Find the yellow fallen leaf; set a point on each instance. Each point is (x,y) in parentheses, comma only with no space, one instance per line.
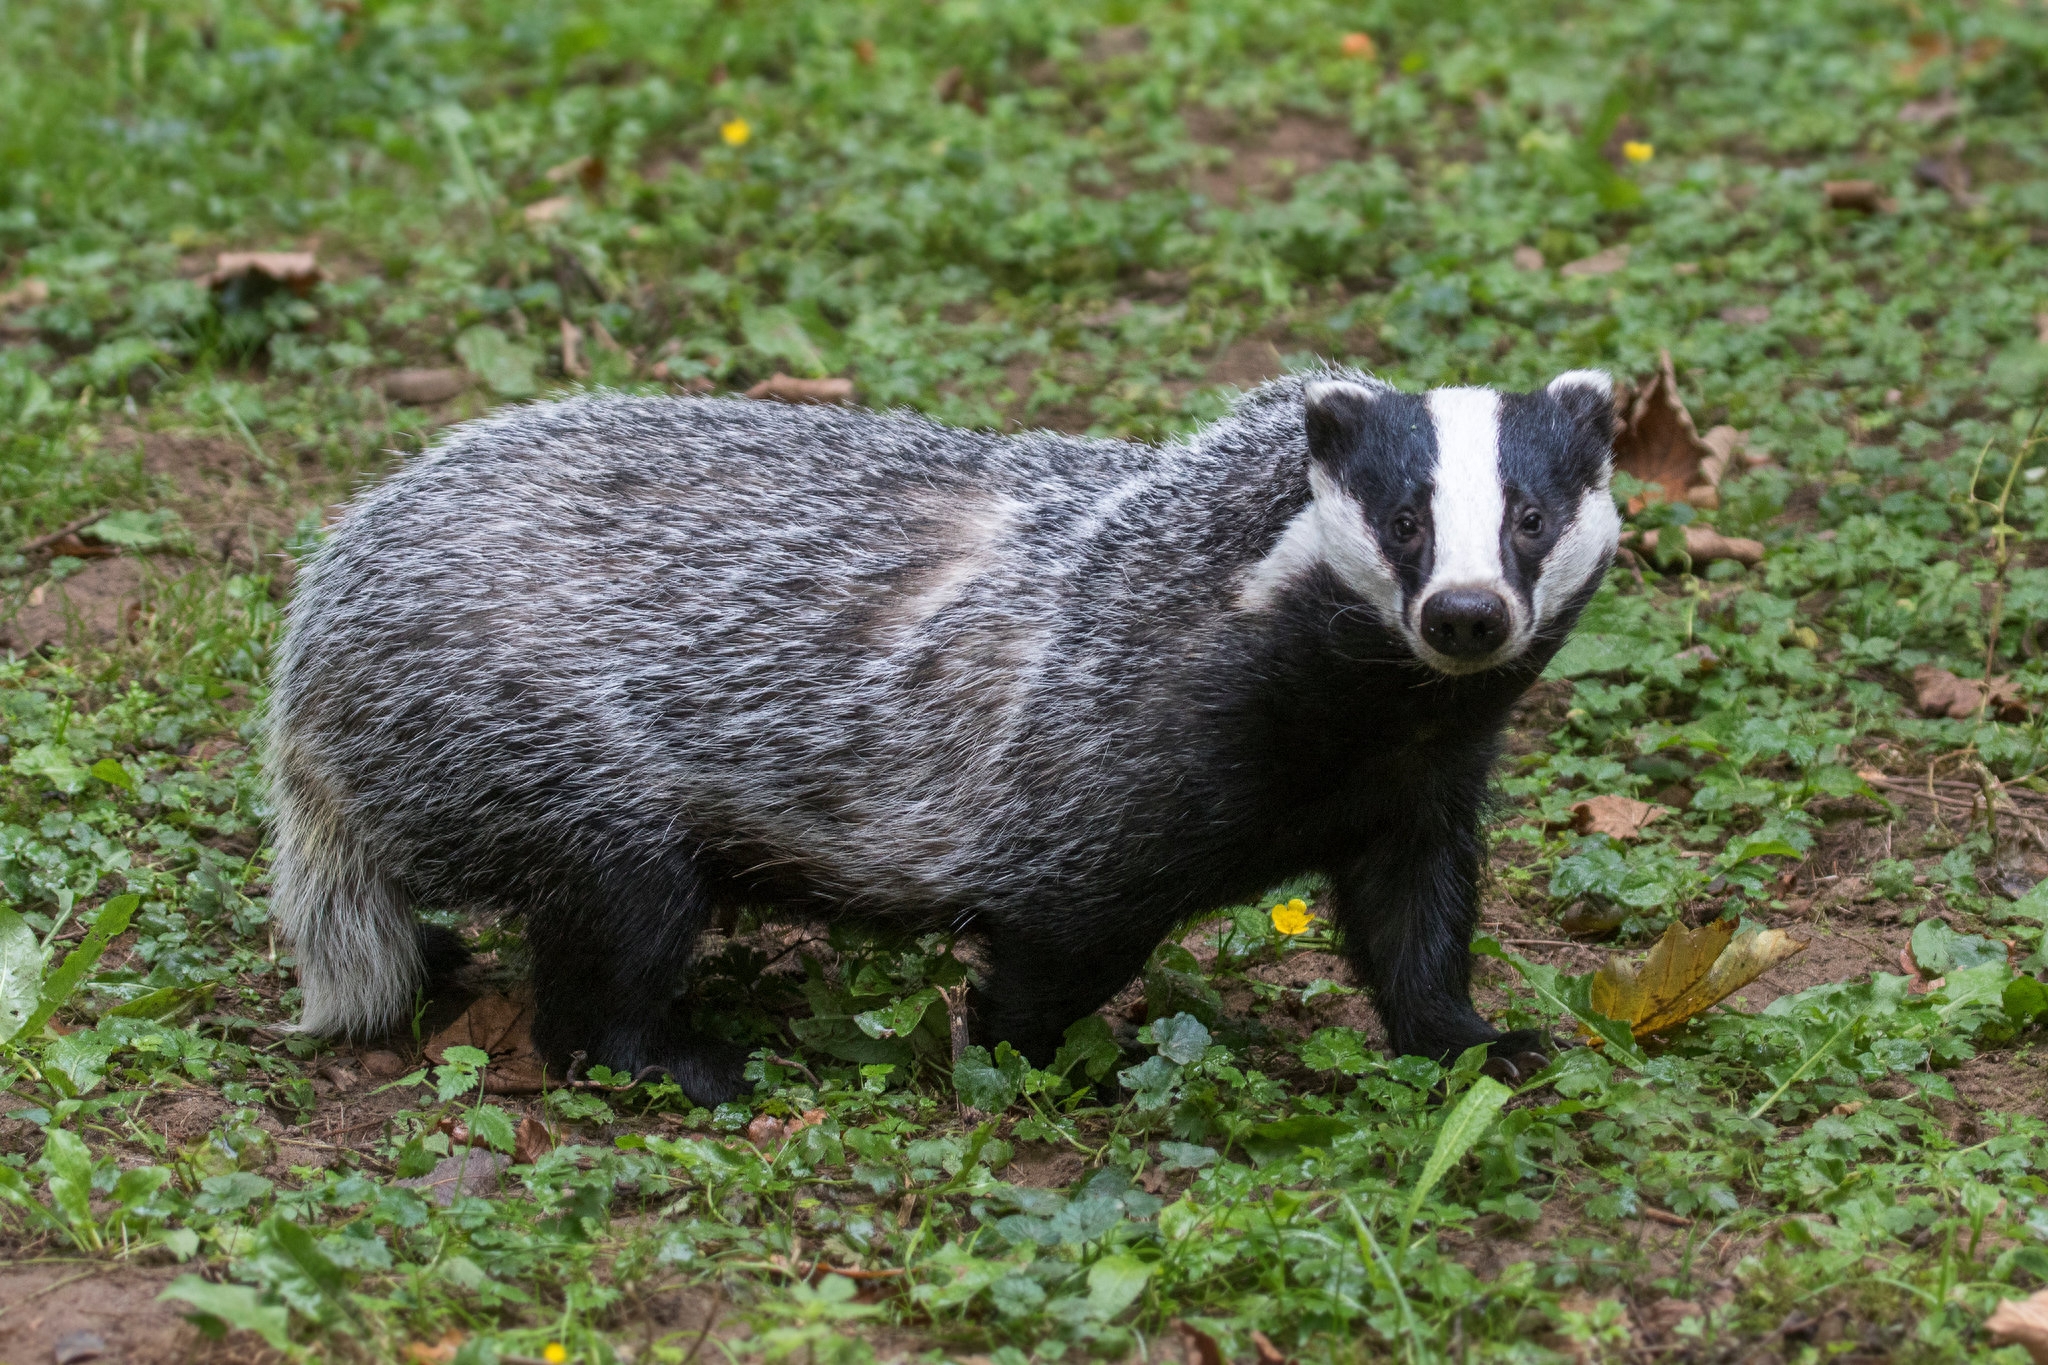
(2022,1322)
(1689,971)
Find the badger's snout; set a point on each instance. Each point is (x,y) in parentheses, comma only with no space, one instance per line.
(1466,624)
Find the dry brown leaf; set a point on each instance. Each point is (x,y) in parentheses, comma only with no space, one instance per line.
(438,1353)
(531,1141)
(572,351)
(789,389)
(1201,1347)
(1938,692)
(1690,970)
(2022,1322)
(544,211)
(499,1025)
(1704,545)
(1618,817)
(1948,174)
(1655,441)
(419,388)
(587,171)
(1864,196)
(1268,1353)
(30,293)
(1528,258)
(1606,262)
(1747,314)
(1936,111)
(298,271)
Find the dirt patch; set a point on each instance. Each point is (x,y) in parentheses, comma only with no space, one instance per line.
(117,1304)
(1246,363)
(94,607)
(1244,162)
(1044,1167)
(219,489)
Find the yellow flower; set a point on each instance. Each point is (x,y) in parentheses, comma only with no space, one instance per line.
(555,1353)
(1638,152)
(1292,918)
(735,131)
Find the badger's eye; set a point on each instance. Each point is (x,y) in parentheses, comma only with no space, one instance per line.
(1532,523)
(1405,527)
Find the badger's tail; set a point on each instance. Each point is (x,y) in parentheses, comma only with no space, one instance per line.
(351,926)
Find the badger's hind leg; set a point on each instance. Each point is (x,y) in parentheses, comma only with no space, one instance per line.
(610,952)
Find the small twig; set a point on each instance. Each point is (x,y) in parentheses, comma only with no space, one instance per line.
(53,1287)
(1543,942)
(579,1057)
(796,1065)
(44,542)
(1664,1216)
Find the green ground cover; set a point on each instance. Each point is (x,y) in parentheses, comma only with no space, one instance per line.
(1100,217)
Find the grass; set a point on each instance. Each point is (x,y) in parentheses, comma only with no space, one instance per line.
(1101,217)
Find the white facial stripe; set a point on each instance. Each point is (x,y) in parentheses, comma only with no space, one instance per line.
(1468,506)
(1598,380)
(1330,530)
(1580,553)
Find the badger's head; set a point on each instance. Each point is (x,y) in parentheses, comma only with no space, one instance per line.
(1473,521)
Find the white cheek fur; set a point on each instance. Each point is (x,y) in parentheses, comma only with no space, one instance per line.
(1580,554)
(1331,530)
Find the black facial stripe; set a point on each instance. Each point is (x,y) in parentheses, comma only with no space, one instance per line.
(1547,461)
(1382,451)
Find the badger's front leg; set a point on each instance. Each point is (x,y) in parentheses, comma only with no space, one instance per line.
(611,949)
(1405,912)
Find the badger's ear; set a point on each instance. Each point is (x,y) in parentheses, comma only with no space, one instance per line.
(1587,396)
(1335,410)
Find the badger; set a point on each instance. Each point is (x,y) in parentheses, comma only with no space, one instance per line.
(615,664)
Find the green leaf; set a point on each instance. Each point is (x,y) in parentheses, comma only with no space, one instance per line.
(1180,1039)
(1572,995)
(1176,984)
(14,1189)
(70,1163)
(1463,1126)
(296,1245)
(113,774)
(989,1084)
(224,1306)
(108,925)
(21,973)
(135,530)
(505,366)
(1090,1045)
(778,334)
(1114,1284)
(1336,1049)
(493,1127)
(1272,1141)
(2025,1000)
(897,1020)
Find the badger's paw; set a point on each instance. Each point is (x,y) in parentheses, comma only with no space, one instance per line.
(1515,1057)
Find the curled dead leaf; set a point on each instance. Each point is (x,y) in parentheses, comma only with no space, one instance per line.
(1655,441)
(531,1141)
(1202,1349)
(298,271)
(1528,258)
(500,1026)
(1704,545)
(1618,817)
(1688,972)
(2024,1323)
(1938,692)
(1861,196)
(765,1131)
(789,389)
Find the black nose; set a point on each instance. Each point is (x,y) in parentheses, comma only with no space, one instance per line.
(1465,623)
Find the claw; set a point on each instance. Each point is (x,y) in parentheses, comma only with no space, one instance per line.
(1501,1069)
(1529,1063)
